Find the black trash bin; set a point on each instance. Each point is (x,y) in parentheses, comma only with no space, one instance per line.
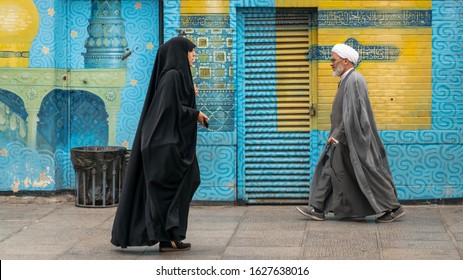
(99,172)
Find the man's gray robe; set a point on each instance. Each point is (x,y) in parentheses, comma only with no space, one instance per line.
(353,178)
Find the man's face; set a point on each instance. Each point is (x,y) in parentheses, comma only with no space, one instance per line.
(337,64)
(191,57)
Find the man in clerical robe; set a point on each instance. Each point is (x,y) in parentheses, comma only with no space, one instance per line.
(352,177)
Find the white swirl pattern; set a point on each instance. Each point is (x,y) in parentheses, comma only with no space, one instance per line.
(23,163)
(217,167)
(141,29)
(45,37)
(80,11)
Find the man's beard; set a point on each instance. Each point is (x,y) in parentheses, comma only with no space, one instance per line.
(337,72)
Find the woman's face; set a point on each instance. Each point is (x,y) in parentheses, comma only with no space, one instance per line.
(191,57)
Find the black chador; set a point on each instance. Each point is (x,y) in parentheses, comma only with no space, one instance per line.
(163,173)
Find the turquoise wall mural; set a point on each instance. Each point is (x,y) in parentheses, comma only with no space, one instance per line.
(66,85)
(74,89)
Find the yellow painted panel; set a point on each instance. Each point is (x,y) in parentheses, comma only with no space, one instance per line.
(293,111)
(202,3)
(325,34)
(291,32)
(294,123)
(296,3)
(300,58)
(403,126)
(283,94)
(292,69)
(402,101)
(400,90)
(292,63)
(292,87)
(292,81)
(293,105)
(293,75)
(204,7)
(292,51)
(293,116)
(305,128)
(203,11)
(293,99)
(398,4)
(279,45)
(291,39)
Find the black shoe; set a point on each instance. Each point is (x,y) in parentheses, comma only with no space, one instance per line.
(173,246)
(311,213)
(391,216)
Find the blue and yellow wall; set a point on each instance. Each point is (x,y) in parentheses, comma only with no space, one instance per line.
(63,85)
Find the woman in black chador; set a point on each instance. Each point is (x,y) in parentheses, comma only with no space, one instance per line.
(163,173)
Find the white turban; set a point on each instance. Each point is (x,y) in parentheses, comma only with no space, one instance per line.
(344,51)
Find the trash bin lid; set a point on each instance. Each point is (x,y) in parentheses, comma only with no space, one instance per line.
(91,156)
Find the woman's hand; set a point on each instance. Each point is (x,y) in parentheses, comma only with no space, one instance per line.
(202,117)
(196,91)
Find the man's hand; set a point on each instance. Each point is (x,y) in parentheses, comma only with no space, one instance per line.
(331,140)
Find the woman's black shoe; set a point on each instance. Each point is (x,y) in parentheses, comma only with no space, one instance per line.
(173,246)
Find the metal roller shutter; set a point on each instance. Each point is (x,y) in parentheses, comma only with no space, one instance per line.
(277,106)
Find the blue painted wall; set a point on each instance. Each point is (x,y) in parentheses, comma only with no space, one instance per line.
(426,164)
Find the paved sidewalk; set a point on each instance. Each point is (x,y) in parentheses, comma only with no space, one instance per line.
(55,229)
